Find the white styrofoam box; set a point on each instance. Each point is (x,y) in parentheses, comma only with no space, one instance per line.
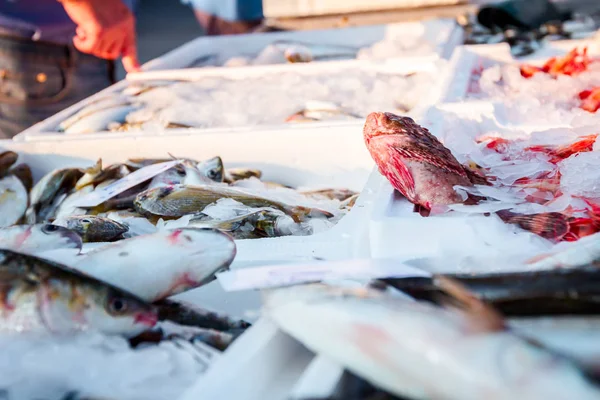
(467,61)
(444,34)
(264,363)
(306,8)
(47,129)
(319,157)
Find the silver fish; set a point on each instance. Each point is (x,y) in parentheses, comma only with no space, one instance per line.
(43,200)
(417,350)
(41,296)
(162,264)
(212,169)
(92,228)
(185,173)
(13,200)
(99,120)
(38,238)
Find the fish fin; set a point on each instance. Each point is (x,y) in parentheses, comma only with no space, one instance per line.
(552,225)
(399,176)
(484,317)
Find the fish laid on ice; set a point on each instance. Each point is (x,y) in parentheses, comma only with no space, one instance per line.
(92,228)
(418,350)
(162,264)
(13,200)
(99,120)
(185,173)
(525,293)
(180,200)
(45,194)
(415,162)
(38,238)
(253,224)
(44,297)
(329,194)
(212,168)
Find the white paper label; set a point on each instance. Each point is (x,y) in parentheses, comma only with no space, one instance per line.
(290,274)
(127,182)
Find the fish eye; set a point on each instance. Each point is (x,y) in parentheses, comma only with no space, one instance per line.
(86,221)
(117,305)
(49,228)
(180,171)
(212,173)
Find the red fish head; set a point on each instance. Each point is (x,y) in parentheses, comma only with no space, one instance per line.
(384,123)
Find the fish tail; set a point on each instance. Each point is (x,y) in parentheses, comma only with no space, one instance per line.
(483,316)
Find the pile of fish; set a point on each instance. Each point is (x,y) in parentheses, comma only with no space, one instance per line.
(290,96)
(187,194)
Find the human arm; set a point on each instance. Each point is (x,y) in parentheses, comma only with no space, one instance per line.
(105,29)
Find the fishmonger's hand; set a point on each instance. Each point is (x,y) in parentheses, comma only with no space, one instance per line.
(105,29)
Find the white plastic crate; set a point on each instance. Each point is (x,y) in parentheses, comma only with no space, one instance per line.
(442,34)
(320,157)
(466,61)
(47,129)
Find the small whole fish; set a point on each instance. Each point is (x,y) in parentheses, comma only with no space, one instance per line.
(414,161)
(100,119)
(420,351)
(572,291)
(161,264)
(262,223)
(330,194)
(45,195)
(180,200)
(92,228)
(38,238)
(212,168)
(185,173)
(41,296)
(13,200)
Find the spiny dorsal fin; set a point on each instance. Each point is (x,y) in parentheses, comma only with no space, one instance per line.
(484,317)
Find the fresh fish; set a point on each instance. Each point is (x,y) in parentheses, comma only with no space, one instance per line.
(253,224)
(527,293)
(45,193)
(185,173)
(92,228)
(238,174)
(97,105)
(414,161)
(99,120)
(13,201)
(23,172)
(212,169)
(7,160)
(420,351)
(162,264)
(38,238)
(45,297)
(188,314)
(322,111)
(179,200)
(329,194)
(97,175)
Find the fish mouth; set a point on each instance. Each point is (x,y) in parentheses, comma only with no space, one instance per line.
(147,319)
(376,124)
